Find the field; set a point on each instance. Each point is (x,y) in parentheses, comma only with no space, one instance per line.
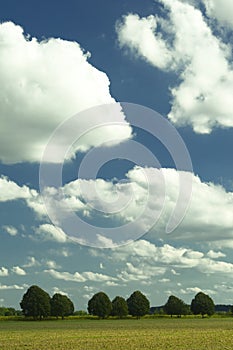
(159,334)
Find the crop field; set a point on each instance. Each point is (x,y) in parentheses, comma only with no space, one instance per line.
(160,334)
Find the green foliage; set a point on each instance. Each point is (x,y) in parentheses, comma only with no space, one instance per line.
(202,304)
(175,306)
(36,303)
(8,311)
(80,313)
(119,307)
(138,304)
(61,305)
(100,305)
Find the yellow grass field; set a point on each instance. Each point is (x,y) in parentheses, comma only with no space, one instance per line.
(159,334)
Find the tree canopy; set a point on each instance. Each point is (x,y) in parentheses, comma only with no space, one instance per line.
(61,306)
(36,303)
(175,306)
(119,307)
(138,304)
(202,304)
(100,305)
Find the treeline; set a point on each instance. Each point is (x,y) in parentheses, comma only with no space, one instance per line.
(10,311)
(38,304)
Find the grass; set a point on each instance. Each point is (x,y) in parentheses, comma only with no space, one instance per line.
(159,334)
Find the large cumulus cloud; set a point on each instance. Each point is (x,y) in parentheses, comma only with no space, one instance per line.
(42,84)
(184,42)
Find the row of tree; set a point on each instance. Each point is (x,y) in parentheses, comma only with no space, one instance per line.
(201,304)
(136,305)
(38,304)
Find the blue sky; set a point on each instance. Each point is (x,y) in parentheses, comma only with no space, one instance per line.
(58,63)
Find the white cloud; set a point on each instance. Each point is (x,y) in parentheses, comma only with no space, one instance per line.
(215,255)
(205,220)
(31,262)
(18,271)
(66,276)
(79,277)
(49,232)
(4,271)
(221,10)
(11,230)
(61,252)
(59,291)
(203,97)
(96,277)
(139,34)
(89,288)
(111,284)
(43,84)
(142,261)
(10,191)
(191,290)
(144,271)
(51,264)
(164,280)
(14,286)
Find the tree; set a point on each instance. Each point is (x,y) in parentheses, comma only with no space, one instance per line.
(119,307)
(138,304)
(61,305)
(5,311)
(36,303)
(10,311)
(175,306)
(100,305)
(202,304)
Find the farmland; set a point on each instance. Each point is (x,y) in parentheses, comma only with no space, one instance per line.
(152,333)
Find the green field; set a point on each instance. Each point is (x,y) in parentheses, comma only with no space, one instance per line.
(164,333)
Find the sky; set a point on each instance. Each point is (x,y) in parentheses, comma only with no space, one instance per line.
(116,137)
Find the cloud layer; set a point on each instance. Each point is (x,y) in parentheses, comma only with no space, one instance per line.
(111,205)
(209,217)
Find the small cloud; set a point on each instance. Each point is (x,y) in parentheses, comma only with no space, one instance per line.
(164,280)
(4,272)
(80,277)
(88,288)
(51,264)
(215,255)
(59,291)
(111,284)
(12,231)
(14,286)
(195,290)
(31,261)
(18,271)
(66,276)
(10,191)
(49,232)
